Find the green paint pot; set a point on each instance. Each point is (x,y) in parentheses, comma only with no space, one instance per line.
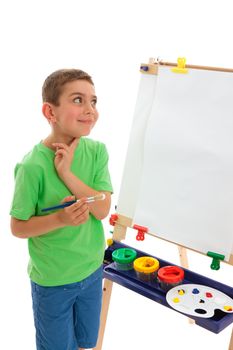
(123,258)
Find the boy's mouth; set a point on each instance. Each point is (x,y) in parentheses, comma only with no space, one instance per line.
(87,121)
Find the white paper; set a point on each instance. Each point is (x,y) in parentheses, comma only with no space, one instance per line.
(186,191)
(132,174)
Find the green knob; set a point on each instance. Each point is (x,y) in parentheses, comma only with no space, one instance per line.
(215,265)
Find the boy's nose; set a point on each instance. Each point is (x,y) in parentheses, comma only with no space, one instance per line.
(89,108)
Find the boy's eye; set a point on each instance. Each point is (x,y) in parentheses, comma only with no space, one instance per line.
(78,100)
(94,102)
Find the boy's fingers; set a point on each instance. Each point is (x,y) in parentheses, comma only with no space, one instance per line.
(61,152)
(68,199)
(81,217)
(82,212)
(60,145)
(80,205)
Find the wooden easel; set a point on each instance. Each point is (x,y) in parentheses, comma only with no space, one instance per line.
(124,222)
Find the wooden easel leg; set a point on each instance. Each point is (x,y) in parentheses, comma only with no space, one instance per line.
(184,263)
(118,234)
(183,257)
(231,341)
(107,291)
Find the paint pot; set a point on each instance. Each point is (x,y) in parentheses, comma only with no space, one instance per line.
(146,268)
(170,276)
(123,258)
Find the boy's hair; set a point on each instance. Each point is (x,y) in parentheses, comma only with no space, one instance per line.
(53,84)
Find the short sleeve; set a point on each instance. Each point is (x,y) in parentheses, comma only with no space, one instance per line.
(26,191)
(102,180)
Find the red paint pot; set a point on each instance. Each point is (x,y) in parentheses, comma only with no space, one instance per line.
(170,276)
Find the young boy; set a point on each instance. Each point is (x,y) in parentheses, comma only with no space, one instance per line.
(66,246)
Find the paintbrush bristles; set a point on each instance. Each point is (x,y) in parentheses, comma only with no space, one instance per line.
(98,197)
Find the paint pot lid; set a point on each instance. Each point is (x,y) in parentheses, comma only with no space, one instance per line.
(124,255)
(170,274)
(146,264)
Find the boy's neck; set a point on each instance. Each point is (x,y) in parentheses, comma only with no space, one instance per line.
(49,140)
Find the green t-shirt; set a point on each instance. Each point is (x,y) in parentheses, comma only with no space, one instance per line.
(71,253)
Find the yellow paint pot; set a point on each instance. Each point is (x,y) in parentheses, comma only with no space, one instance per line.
(146,268)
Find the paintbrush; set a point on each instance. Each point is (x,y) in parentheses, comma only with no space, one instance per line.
(98,197)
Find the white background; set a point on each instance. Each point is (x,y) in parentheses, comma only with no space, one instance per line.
(108,39)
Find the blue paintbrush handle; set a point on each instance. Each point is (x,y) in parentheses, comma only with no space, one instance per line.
(60,206)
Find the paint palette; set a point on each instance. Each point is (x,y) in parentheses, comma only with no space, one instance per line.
(198,300)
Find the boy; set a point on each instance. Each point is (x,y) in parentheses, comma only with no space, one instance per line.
(66,246)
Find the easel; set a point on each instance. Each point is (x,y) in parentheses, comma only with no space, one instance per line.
(122,222)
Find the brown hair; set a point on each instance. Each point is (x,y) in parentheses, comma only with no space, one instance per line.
(53,84)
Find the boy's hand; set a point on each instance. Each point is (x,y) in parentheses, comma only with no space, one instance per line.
(64,156)
(74,215)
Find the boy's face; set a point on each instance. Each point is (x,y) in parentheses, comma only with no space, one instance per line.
(76,114)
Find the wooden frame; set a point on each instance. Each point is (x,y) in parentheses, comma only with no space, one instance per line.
(124,222)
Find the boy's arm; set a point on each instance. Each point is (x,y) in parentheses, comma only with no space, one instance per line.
(63,159)
(74,215)
(99,209)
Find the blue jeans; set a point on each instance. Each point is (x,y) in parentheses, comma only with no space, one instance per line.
(67,317)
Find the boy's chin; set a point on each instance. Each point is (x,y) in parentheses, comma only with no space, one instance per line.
(78,135)
(86,133)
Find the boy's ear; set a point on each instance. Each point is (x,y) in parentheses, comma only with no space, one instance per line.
(48,112)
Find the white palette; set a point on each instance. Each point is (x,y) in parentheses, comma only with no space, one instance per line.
(198,300)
